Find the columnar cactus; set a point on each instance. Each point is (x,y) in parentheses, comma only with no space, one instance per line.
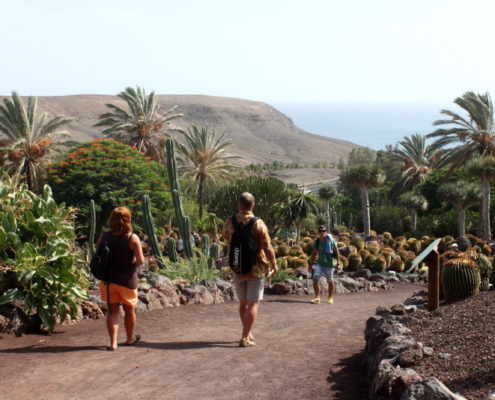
(460,279)
(149,227)
(335,220)
(214,251)
(349,222)
(205,245)
(339,214)
(183,221)
(172,250)
(92,227)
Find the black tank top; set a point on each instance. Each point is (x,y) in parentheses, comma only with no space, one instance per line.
(124,270)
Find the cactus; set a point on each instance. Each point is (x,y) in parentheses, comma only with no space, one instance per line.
(149,226)
(358,242)
(339,214)
(372,248)
(387,235)
(182,220)
(354,261)
(92,227)
(172,250)
(379,263)
(349,222)
(214,251)
(484,266)
(368,261)
(282,250)
(397,265)
(205,245)
(335,220)
(460,279)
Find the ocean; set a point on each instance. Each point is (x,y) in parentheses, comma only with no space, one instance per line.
(374,125)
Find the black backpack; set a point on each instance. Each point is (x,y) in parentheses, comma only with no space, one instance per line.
(102,262)
(243,250)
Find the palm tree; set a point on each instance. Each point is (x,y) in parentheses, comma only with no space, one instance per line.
(417,160)
(327,193)
(484,168)
(364,176)
(462,195)
(29,139)
(142,128)
(414,202)
(476,135)
(299,207)
(203,158)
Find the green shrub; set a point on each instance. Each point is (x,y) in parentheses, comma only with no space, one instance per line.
(37,254)
(113,175)
(193,270)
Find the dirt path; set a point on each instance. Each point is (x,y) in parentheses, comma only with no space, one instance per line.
(303,351)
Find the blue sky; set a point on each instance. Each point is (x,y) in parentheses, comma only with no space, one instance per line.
(264,50)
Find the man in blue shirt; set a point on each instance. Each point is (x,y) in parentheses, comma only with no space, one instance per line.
(328,257)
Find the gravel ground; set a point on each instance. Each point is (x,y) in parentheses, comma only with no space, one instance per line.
(462,337)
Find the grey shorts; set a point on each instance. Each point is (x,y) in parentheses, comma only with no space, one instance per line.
(319,271)
(249,288)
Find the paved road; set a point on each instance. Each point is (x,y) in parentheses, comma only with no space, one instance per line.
(303,351)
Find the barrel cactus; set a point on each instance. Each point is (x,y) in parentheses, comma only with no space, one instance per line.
(355,262)
(344,262)
(358,242)
(282,250)
(368,261)
(408,263)
(387,235)
(397,265)
(484,266)
(460,279)
(363,253)
(372,248)
(379,263)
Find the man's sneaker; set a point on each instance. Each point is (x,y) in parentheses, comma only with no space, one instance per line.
(316,300)
(330,300)
(246,343)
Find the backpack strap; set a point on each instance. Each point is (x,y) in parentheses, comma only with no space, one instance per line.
(104,239)
(249,225)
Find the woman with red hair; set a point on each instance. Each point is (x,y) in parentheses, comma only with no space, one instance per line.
(127,255)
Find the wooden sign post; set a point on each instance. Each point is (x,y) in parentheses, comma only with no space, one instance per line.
(432,258)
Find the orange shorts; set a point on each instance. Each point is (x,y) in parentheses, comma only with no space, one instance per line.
(119,294)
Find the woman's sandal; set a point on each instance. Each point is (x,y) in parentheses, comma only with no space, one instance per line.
(137,338)
(110,348)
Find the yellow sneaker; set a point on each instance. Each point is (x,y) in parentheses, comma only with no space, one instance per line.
(330,300)
(316,300)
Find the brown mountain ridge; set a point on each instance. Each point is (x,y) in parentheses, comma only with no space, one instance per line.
(258,131)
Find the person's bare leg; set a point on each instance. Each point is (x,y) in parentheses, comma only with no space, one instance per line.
(113,324)
(129,322)
(249,317)
(317,288)
(331,286)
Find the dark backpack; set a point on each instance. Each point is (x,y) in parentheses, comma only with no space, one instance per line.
(243,250)
(102,262)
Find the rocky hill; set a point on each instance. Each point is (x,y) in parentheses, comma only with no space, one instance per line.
(258,131)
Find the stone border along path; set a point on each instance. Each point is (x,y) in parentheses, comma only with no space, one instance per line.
(303,351)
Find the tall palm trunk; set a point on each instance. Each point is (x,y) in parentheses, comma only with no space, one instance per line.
(486,210)
(414,219)
(366,211)
(201,195)
(327,214)
(298,233)
(462,222)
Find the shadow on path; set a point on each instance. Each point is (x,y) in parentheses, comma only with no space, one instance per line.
(349,378)
(51,349)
